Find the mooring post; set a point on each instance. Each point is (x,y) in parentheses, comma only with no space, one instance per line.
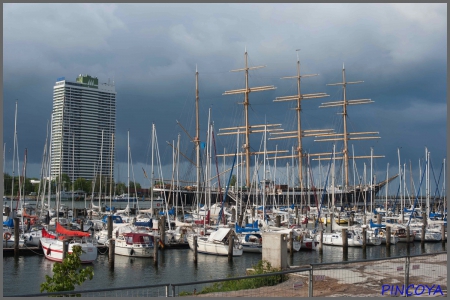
(110,226)
(16,236)
(378,219)
(422,236)
(321,241)
(65,248)
(407,235)
(278,221)
(230,247)
(291,244)
(364,238)
(388,238)
(111,254)
(155,251)
(344,243)
(443,233)
(195,249)
(82,225)
(162,230)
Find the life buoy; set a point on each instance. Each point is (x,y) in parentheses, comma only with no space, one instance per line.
(381,233)
(7,236)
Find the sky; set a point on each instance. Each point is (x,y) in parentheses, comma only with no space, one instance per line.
(152,51)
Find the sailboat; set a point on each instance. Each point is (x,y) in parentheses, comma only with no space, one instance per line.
(217,242)
(52,245)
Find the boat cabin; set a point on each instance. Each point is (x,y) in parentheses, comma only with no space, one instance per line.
(133,238)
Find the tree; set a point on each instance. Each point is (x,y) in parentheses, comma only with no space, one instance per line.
(83,184)
(120,188)
(68,273)
(233,180)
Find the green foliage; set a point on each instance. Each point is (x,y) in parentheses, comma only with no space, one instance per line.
(262,267)
(83,184)
(233,180)
(8,181)
(68,273)
(120,188)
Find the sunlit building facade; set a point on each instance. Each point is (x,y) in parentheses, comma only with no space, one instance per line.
(83,124)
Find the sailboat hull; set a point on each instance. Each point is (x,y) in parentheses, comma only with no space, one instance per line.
(53,250)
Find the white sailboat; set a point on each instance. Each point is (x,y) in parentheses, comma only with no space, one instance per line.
(53,245)
(135,244)
(216,243)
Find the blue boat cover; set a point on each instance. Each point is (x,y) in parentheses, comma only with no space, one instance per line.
(9,223)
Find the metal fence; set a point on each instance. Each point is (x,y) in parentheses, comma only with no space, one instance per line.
(420,275)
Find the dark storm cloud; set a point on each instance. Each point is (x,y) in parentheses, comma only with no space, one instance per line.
(151,51)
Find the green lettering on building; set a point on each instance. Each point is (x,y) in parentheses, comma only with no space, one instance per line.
(88,80)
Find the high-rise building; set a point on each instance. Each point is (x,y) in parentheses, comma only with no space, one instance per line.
(83,123)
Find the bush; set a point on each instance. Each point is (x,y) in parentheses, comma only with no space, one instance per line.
(262,267)
(68,273)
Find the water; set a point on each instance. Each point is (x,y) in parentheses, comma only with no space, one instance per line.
(24,274)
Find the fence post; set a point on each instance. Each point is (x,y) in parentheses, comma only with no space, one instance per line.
(173,290)
(167,290)
(310,289)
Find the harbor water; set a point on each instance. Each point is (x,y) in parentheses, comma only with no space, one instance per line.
(24,274)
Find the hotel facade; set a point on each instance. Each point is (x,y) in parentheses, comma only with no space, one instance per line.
(83,124)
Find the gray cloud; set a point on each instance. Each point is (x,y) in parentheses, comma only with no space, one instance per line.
(151,52)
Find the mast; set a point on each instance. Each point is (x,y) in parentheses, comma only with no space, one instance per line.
(101,173)
(14,156)
(246,91)
(111,174)
(50,165)
(128,170)
(299,133)
(153,173)
(197,134)
(346,136)
(58,199)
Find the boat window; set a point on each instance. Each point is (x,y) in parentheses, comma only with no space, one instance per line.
(129,240)
(349,235)
(146,239)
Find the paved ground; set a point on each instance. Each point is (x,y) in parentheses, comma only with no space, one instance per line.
(358,280)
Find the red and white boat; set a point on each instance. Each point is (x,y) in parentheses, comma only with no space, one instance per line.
(52,245)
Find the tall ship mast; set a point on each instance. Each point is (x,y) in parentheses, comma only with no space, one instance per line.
(346,136)
(299,133)
(248,129)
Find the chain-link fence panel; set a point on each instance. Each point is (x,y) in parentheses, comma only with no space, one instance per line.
(291,283)
(428,275)
(360,278)
(161,290)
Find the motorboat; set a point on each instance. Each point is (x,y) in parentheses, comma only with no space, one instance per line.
(135,244)
(336,239)
(217,242)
